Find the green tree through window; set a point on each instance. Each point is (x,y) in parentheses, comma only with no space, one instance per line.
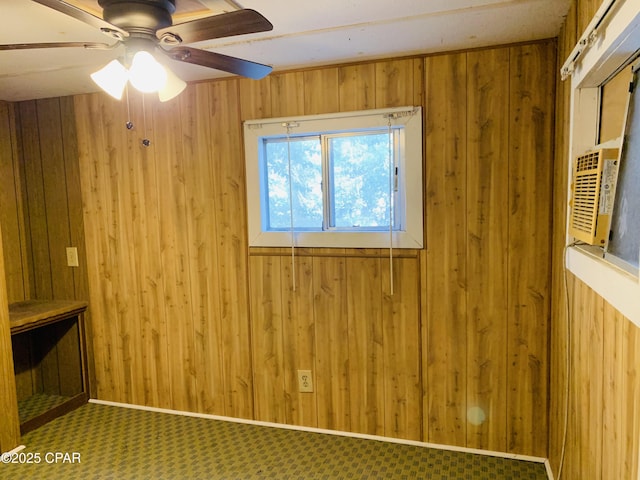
(306,180)
(360,168)
(355,167)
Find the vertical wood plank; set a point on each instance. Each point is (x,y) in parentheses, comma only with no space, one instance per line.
(83,106)
(35,211)
(531,103)
(123,146)
(487,217)
(167,155)
(631,400)
(287,94)
(613,457)
(322,80)
(73,198)
(394,83)
(357,87)
(401,340)
(586,9)
(203,249)
(418,82)
(298,338)
(366,349)
(266,332)
(98,220)
(444,322)
(11,206)
(332,346)
(55,196)
(590,393)
(255,98)
(572,455)
(155,364)
(559,324)
(231,228)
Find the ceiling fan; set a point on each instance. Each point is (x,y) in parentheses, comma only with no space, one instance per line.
(145,27)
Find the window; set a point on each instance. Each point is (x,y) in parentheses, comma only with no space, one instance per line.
(609,43)
(343,180)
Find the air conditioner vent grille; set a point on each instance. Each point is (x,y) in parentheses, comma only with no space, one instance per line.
(589,161)
(587,222)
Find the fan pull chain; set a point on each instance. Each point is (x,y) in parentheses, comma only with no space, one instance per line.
(145,141)
(129,123)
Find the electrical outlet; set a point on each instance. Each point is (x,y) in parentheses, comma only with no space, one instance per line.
(305,381)
(72,257)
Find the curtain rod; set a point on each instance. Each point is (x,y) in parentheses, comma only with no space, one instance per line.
(586,40)
(395,112)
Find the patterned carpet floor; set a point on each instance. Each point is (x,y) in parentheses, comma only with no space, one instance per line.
(109,442)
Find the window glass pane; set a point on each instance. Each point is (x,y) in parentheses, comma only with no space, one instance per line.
(360,180)
(306,175)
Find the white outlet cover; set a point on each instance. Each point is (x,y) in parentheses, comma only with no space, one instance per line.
(72,257)
(305,381)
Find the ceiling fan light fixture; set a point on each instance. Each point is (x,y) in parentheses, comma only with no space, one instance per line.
(112,78)
(172,88)
(146,74)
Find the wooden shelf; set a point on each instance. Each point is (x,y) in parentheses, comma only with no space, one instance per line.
(48,340)
(32,314)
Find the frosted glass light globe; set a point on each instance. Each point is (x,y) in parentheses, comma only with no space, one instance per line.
(146,74)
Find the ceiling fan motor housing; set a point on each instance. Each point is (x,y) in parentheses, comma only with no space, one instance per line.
(138,16)
(147,25)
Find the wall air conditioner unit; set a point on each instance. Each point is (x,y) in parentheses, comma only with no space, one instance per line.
(592,195)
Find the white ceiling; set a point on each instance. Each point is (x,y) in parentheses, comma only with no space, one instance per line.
(305,33)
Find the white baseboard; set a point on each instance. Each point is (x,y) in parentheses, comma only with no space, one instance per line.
(490,453)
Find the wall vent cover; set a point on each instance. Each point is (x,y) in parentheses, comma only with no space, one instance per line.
(593,189)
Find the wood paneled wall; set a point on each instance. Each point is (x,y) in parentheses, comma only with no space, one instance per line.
(52,206)
(485,318)
(599,344)
(187,317)
(41,215)
(41,206)
(603,423)
(184,315)
(167,252)
(362,344)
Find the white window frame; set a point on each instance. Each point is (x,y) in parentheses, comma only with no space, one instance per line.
(609,42)
(410,178)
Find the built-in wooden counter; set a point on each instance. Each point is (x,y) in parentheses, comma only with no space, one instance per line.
(49,353)
(32,314)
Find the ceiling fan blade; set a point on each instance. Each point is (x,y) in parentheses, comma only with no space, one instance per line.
(29,46)
(239,22)
(219,61)
(79,14)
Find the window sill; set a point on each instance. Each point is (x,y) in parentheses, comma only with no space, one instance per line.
(333,252)
(616,286)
